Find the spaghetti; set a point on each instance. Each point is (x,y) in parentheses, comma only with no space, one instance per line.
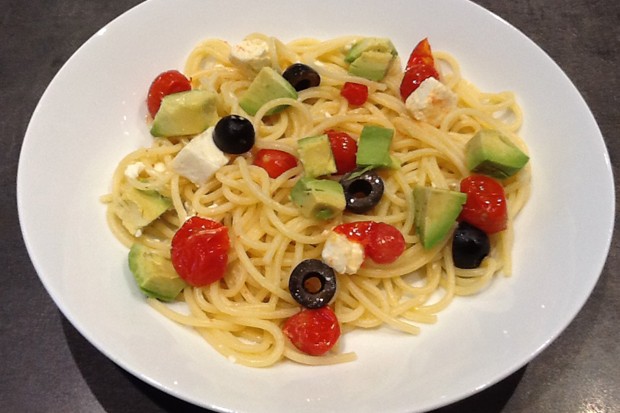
(241,316)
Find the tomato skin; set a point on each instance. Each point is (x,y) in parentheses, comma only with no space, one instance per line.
(166,83)
(199,251)
(358,231)
(386,243)
(274,161)
(344,148)
(485,207)
(383,243)
(421,55)
(355,93)
(313,331)
(420,66)
(414,77)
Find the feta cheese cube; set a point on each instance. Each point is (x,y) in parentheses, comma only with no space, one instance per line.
(133,170)
(343,255)
(431,101)
(200,158)
(251,54)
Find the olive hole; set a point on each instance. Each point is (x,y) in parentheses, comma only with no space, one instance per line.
(313,283)
(360,189)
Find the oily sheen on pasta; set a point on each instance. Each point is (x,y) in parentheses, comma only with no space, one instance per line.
(242,315)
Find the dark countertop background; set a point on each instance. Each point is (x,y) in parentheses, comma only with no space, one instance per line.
(47,366)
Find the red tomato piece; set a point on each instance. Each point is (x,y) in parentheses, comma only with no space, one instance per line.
(355,93)
(358,231)
(386,243)
(420,66)
(344,149)
(166,83)
(274,161)
(414,77)
(199,251)
(421,55)
(383,243)
(485,207)
(313,331)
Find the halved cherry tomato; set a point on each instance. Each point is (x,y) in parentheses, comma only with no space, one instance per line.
(313,331)
(386,243)
(274,161)
(166,83)
(485,207)
(344,149)
(355,93)
(383,243)
(199,251)
(421,55)
(420,66)
(358,231)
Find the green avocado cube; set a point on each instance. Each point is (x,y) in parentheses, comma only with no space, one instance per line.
(316,156)
(371,65)
(436,211)
(373,147)
(154,274)
(372,44)
(492,153)
(321,199)
(185,113)
(268,85)
(136,208)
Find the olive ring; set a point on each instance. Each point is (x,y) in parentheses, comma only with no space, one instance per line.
(312,283)
(362,190)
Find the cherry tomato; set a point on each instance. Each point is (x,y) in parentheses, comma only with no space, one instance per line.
(485,207)
(383,243)
(420,66)
(414,77)
(386,243)
(313,331)
(199,251)
(275,162)
(166,83)
(355,93)
(421,55)
(358,231)
(344,149)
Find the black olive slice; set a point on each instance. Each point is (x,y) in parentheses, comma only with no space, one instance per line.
(301,76)
(234,134)
(362,190)
(469,246)
(312,283)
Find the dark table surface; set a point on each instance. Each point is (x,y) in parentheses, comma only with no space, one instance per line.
(47,366)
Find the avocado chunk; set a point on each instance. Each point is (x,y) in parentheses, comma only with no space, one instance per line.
(185,113)
(373,148)
(371,57)
(154,274)
(315,154)
(370,44)
(318,198)
(266,86)
(136,208)
(371,65)
(436,211)
(492,153)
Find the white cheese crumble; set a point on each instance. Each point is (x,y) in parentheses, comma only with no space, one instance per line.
(132,171)
(343,255)
(160,167)
(253,54)
(200,158)
(431,101)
